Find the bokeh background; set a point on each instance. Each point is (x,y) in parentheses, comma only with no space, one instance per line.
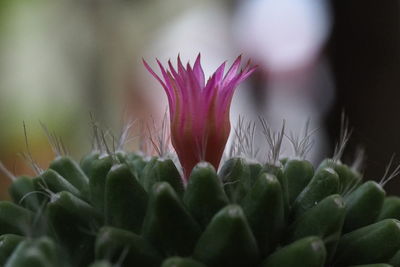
(61,60)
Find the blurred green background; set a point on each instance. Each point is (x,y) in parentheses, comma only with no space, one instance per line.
(61,60)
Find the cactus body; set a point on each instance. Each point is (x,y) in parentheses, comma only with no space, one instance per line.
(133,211)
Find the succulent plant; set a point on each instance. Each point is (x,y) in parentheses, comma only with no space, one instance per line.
(120,208)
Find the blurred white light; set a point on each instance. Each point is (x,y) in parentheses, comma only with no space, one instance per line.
(283,35)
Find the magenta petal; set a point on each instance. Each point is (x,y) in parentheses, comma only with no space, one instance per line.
(211,86)
(246,74)
(168,91)
(232,72)
(219,73)
(167,81)
(181,68)
(177,77)
(198,71)
(154,74)
(199,111)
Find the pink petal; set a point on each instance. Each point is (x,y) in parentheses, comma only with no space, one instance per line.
(233,70)
(198,71)
(167,89)
(219,73)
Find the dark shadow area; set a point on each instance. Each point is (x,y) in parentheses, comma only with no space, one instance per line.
(365,55)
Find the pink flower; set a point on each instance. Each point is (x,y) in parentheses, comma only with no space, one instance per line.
(199,111)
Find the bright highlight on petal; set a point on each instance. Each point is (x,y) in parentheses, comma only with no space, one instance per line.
(199,110)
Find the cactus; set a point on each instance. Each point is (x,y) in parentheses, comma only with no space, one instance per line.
(121,208)
(133,223)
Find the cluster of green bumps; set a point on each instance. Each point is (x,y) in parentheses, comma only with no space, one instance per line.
(128,210)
